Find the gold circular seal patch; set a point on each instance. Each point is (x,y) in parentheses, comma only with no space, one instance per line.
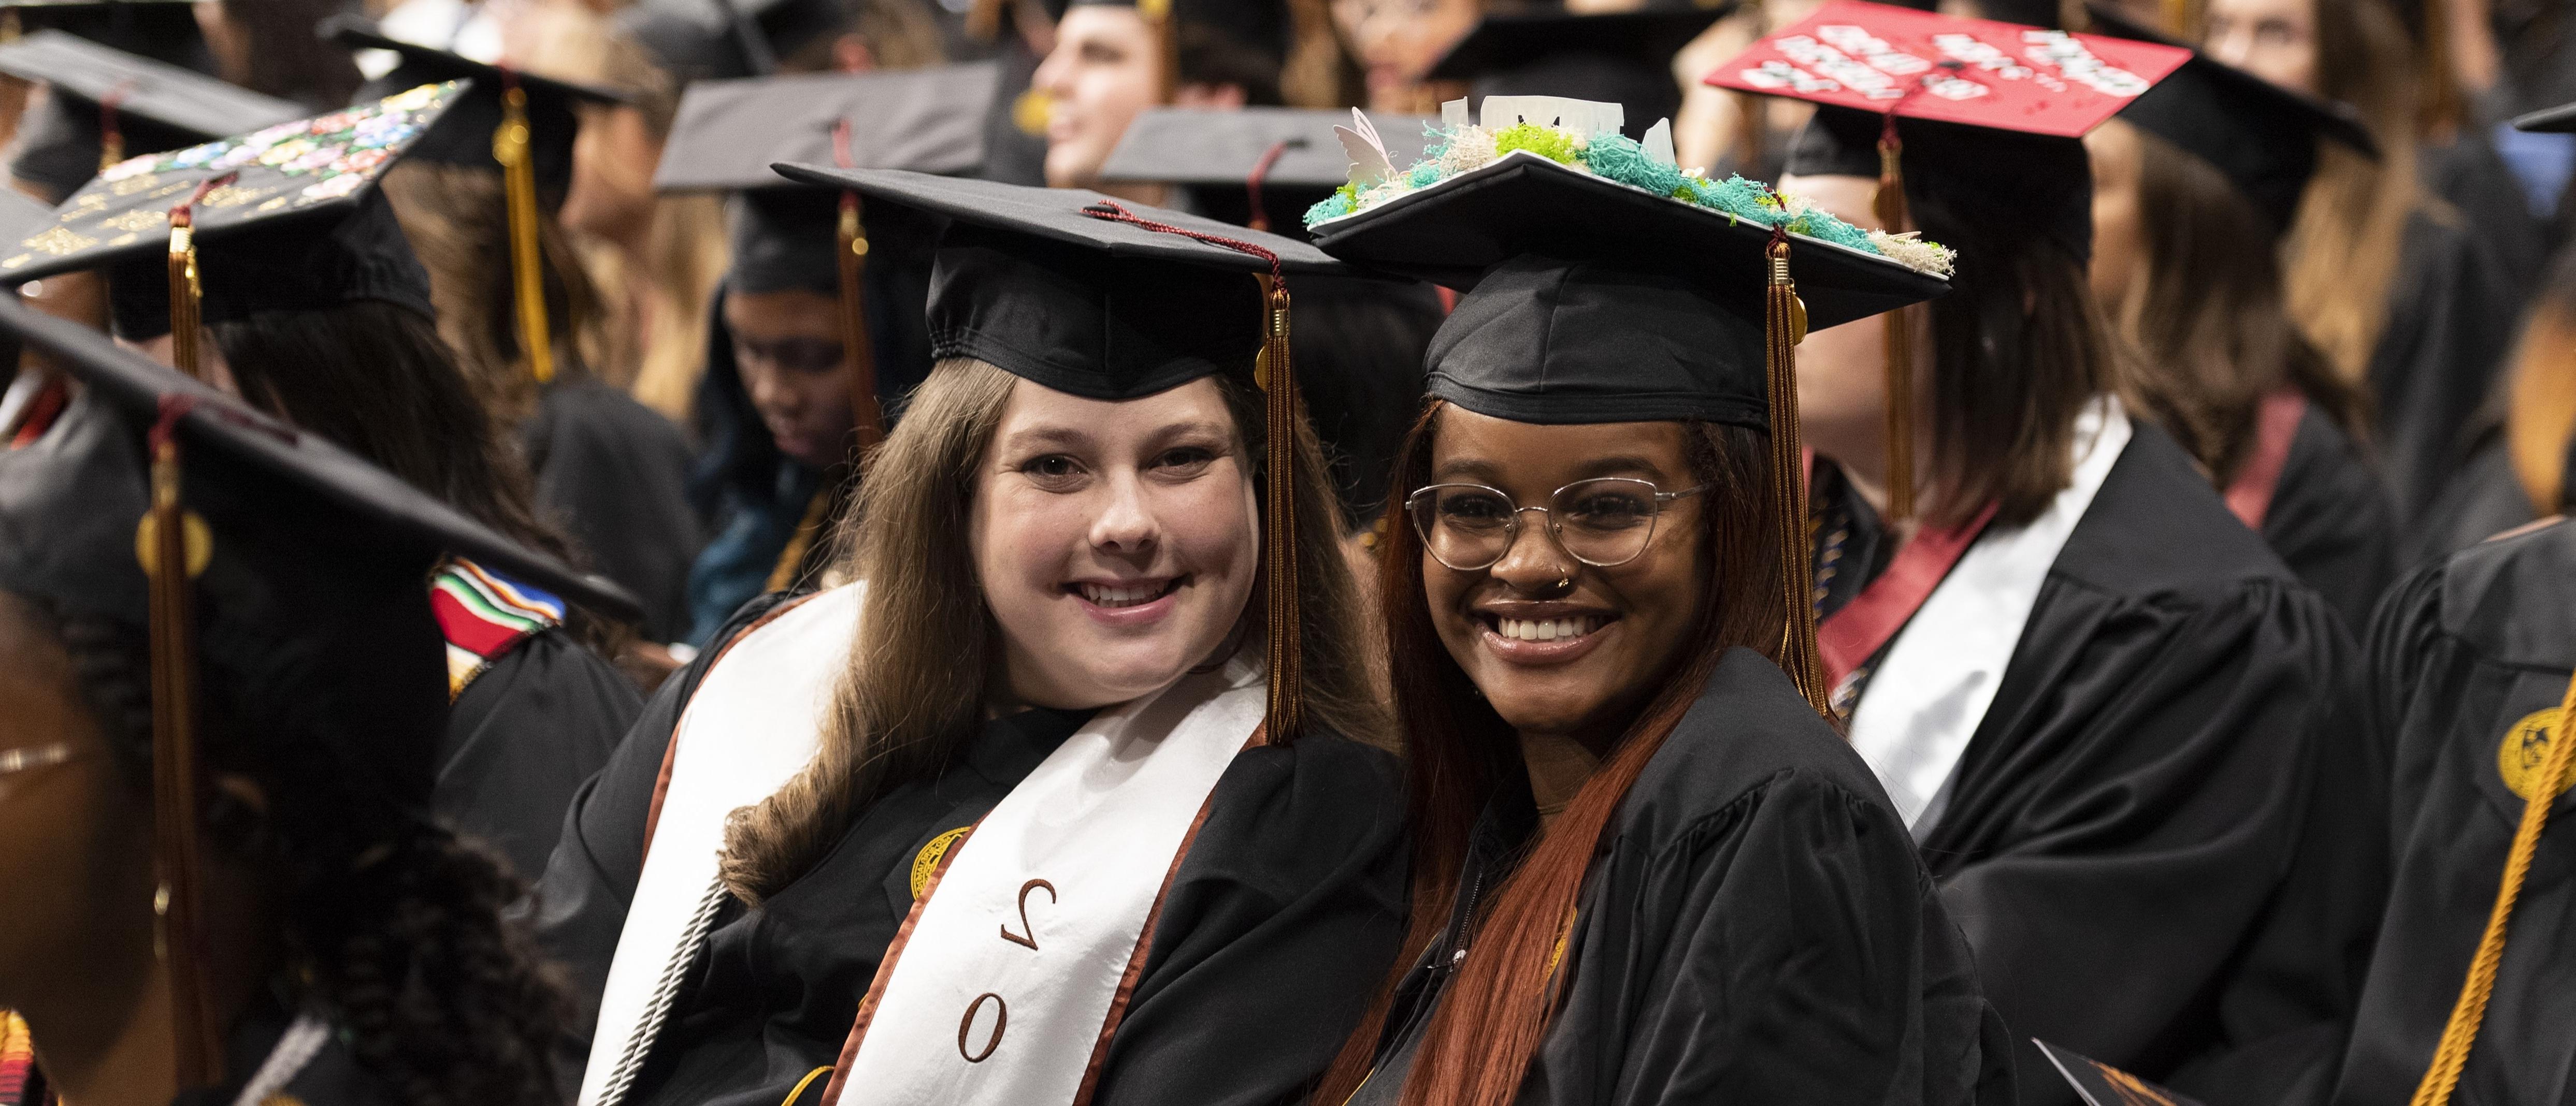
(2525,747)
(927,861)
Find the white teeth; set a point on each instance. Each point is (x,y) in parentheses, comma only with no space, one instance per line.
(1547,629)
(1123,595)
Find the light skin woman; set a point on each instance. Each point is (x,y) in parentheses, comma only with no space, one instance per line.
(1102,72)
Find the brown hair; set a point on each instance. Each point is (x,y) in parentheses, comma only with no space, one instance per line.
(2204,312)
(2540,416)
(1479,1044)
(927,655)
(458,222)
(287,59)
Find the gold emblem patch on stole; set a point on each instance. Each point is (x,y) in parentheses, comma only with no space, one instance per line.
(2525,747)
(927,861)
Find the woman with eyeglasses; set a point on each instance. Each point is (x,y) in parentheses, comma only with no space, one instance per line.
(1646,869)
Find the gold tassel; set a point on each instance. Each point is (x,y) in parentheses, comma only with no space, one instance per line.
(510,142)
(1784,324)
(1167,46)
(173,546)
(1275,372)
(1889,206)
(111,136)
(185,293)
(2462,1030)
(867,416)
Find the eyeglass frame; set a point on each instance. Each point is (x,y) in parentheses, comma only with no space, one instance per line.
(1555,529)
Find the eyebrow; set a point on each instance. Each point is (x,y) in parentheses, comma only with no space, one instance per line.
(1617,464)
(1063,436)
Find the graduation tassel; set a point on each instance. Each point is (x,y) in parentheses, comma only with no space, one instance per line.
(111,136)
(1167,47)
(852,252)
(1784,325)
(173,546)
(2541,793)
(1259,219)
(1889,206)
(187,292)
(519,180)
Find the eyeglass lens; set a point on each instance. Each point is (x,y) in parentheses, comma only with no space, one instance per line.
(1604,522)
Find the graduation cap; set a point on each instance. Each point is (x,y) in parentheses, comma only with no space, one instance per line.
(163,30)
(294,197)
(731,39)
(266,564)
(2557,120)
(108,103)
(1623,58)
(1081,293)
(1983,118)
(1605,285)
(2262,136)
(1266,162)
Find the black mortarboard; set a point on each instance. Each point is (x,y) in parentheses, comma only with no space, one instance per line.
(22,215)
(727,134)
(1623,58)
(2012,182)
(464,136)
(2262,136)
(163,30)
(155,106)
(308,263)
(2557,120)
(724,39)
(1213,154)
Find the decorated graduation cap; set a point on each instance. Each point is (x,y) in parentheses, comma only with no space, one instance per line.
(2262,136)
(1605,284)
(1260,167)
(289,214)
(1623,58)
(107,103)
(1982,118)
(1081,293)
(267,568)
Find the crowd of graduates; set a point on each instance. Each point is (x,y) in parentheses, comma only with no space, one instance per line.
(1390,552)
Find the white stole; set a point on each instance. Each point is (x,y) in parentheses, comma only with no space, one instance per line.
(751,727)
(1017,963)
(1928,695)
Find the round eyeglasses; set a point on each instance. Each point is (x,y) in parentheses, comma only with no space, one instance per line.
(1604,522)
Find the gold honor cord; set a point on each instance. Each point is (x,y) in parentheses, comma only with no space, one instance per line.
(1784,325)
(173,546)
(510,147)
(1889,206)
(187,292)
(2462,1031)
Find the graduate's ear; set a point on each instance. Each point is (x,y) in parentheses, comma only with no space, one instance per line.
(852,54)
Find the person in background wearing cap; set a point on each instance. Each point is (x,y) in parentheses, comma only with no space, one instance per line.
(2193,185)
(1646,869)
(313,934)
(2101,702)
(2405,292)
(1106,67)
(1077,516)
(1396,42)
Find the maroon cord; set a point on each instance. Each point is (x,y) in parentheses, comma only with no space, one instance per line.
(1113,211)
(1259,219)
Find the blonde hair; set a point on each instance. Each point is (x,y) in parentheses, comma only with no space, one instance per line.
(916,685)
(2540,416)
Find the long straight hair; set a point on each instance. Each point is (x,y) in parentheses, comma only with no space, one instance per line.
(2344,247)
(926,658)
(2205,313)
(1501,999)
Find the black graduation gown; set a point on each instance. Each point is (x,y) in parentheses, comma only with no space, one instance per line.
(522,738)
(1281,921)
(332,1077)
(2121,828)
(2461,652)
(1755,928)
(2452,314)
(2331,520)
(615,474)
(2485,498)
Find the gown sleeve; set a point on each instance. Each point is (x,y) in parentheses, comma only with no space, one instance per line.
(1280,925)
(617,474)
(2332,521)
(522,738)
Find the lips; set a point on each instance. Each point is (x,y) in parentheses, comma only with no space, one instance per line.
(1124,594)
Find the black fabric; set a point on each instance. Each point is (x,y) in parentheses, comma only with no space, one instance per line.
(2483,499)
(332,1077)
(1260,25)
(1279,921)
(2018,184)
(2557,120)
(165,32)
(1755,928)
(785,239)
(521,740)
(1543,340)
(312,263)
(2332,521)
(464,135)
(58,145)
(1623,58)
(2461,653)
(1360,346)
(1220,147)
(2157,838)
(614,474)
(2452,315)
(727,134)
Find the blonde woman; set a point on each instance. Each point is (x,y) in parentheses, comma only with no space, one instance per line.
(1004,818)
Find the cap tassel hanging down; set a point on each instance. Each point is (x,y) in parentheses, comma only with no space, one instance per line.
(111,137)
(519,179)
(186,291)
(1784,325)
(2462,1030)
(1167,47)
(1259,219)
(173,546)
(1889,206)
(868,414)
(1275,372)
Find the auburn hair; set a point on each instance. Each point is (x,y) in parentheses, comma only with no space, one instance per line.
(1501,998)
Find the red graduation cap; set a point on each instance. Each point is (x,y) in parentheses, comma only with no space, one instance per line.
(1937,67)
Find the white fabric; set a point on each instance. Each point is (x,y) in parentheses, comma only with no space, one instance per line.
(1927,696)
(1100,821)
(751,727)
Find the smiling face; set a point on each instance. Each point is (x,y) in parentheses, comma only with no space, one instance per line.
(1101,73)
(1116,542)
(1558,646)
(787,346)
